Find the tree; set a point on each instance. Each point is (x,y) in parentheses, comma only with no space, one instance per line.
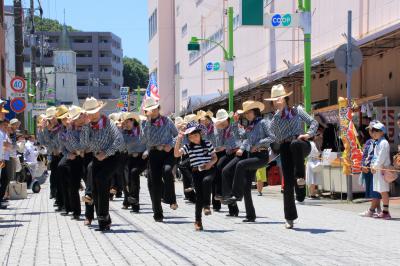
(47,24)
(135,73)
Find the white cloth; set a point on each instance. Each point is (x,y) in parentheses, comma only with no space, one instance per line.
(313,178)
(380,160)
(31,153)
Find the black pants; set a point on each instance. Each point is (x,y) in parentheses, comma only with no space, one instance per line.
(119,177)
(292,158)
(244,174)
(55,159)
(223,159)
(161,164)
(136,166)
(228,173)
(187,178)
(223,167)
(102,173)
(4,179)
(71,172)
(87,176)
(202,184)
(54,181)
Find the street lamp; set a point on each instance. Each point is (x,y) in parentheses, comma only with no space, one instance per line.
(194,45)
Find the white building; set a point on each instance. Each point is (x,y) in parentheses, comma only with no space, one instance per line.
(265,56)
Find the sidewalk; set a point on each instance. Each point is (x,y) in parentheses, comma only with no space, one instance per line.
(31,233)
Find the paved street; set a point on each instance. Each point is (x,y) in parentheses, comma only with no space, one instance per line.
(31,233)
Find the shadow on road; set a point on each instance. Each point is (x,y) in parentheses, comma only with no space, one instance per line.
(217,231)
(10,225)
(317,231)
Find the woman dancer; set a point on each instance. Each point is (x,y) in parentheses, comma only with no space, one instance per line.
(159,133)
(287,127)
(137,158)
(254,150)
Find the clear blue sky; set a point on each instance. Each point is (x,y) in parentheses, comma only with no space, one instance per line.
(125,18)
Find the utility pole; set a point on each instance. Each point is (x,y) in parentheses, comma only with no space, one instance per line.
(33,47)
(348,79)
(19,44)
(229,60)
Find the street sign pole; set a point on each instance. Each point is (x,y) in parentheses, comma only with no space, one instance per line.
(305,7)
(230,58)
(348,78)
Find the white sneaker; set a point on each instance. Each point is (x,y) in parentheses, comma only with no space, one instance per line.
(367,213)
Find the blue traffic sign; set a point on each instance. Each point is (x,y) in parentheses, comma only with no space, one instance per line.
(18,105)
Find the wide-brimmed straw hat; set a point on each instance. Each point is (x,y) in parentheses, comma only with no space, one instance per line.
(14,121)
(277,92)
(179,121)
(203,114)
(150,104)
(51,112)
(74,112)
(221,116)
(189,118)
(130,115)
(250,105)
(61,112)
(92,105)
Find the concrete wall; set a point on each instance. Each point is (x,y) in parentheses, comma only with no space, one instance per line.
(162,52)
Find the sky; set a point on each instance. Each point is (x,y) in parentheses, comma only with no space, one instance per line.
(125,18)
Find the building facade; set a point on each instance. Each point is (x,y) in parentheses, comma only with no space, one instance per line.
(162,50)
(98,57)
(2,53)
(264,57)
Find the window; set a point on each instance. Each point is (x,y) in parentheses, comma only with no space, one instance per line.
(63,83)
(198,2)
(153,24)
(177,68)
(333,92)
(177,12)
(184,30)
(184,94)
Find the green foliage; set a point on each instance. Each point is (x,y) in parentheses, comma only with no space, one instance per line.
(46,24)
(135,73)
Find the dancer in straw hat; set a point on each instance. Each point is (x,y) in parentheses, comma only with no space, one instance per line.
(254,149)
(287,126)
(101,137)
(159,133)
(71,165)
(228,143)
(137,158)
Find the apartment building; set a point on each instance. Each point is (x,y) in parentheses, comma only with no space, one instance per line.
(264,57)
(98,56)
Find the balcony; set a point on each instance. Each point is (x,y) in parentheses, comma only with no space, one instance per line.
(82,46)
(105,60)
(105,46)
(84,60)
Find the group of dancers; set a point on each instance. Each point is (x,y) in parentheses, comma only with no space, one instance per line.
(217,157)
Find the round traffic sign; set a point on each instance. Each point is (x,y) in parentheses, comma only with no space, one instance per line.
(17,84)
(340,58)
(209,66)
(18,105)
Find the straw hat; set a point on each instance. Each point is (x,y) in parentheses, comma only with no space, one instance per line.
(74,112)
(250,105)
(61,112)
(202,114)
(221,116)
(190,118)
(92,105)
(277,92)
(130,115)
(14,121)
(142,117)
(179,121)
(150,104)
(51,112)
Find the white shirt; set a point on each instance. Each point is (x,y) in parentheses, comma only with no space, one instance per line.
(31,152)
(2,139)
